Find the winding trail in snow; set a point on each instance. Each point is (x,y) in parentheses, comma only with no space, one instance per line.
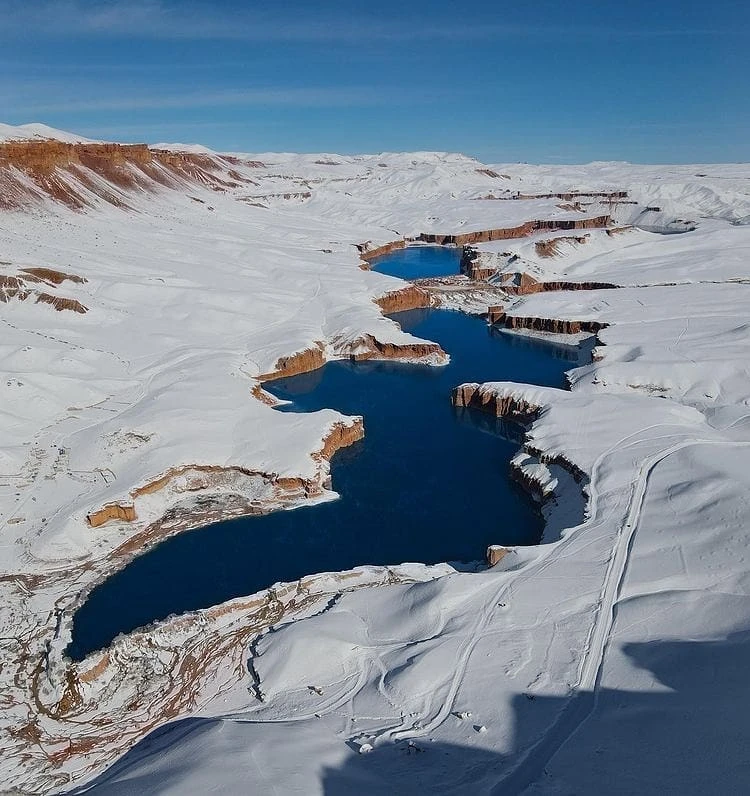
(584,698)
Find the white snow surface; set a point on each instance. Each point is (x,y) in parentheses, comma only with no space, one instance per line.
(36,132)
(612,658)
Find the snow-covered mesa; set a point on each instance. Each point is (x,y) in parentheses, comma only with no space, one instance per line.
(140,309)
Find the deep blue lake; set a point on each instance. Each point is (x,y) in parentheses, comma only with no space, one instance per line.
(428,483)
(417,262)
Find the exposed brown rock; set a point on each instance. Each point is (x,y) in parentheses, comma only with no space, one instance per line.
(13,287)
(491,173)
(60,171)
(112,511)
(495,554)
(407,298)
(523,284)
(507,406)
(571,195)
(264,397)
(60,303)
(368,252)
(553,325)
(521,231)
(301,362)
(51,276)
(498,317)
(368,347)
(551,246)
(17,287)
(341,436)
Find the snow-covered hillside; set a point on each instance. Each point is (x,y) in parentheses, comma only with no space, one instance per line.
(138,322)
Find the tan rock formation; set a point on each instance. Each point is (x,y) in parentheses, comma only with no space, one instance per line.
(551,246)
(368,252)
(301,362)
(521,231)
(408,298)
(496,553)
(112,511)
(341,436)
(62,171)
(368,347)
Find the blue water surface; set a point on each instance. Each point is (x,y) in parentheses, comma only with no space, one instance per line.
(416,262)
(428,483)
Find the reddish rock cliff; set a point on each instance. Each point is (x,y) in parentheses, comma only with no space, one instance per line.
(301,362)
(408,298)
(507,406)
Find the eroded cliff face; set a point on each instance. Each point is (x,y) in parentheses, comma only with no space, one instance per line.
(507,406)
(523,284)
(341,436)
(74,174)
(498,317)
(301,362)
(228,481)
(408,298)
(368,347)
(368,252)
(521,231)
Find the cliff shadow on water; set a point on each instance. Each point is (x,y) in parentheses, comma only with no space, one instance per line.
(428,483)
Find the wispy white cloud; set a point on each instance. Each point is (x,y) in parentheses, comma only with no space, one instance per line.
(196,20)
(308,97)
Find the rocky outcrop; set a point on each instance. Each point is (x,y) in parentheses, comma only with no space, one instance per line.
(368,347)
(301,362)
(51,276)
(34,170)
(369,252)
(495,554)
(523,284)
(204,478)
(341,436)
(521,231)
(22,286)
(60,303)
(408,298)
(474,396)
(499,317)
(573,195)
(112,511)
(551,246)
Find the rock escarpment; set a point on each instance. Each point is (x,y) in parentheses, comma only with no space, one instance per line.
(301,362)
(521,231)
(76,174)
(408,298)
(368,347)
(510,407)
(231,481)
(497,316)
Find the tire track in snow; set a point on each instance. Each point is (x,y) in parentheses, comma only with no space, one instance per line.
(584,698)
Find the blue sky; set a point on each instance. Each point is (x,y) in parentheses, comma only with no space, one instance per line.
(567,81)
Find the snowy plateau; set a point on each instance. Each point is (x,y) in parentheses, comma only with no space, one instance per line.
(146,293)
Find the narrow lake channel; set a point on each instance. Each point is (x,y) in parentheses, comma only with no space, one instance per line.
(427,483)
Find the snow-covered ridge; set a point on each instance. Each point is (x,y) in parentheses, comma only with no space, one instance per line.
(39,132)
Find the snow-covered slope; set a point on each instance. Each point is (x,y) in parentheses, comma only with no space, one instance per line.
(136,326)
(36,132)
